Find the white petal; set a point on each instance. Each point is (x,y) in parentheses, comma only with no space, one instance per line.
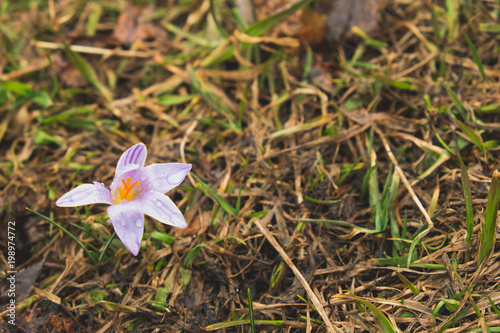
(161,208)
(163,177)
(128,222)
(85,194)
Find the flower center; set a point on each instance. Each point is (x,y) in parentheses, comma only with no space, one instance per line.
(126,191)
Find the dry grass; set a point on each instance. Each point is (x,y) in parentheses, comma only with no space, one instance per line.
(329,190)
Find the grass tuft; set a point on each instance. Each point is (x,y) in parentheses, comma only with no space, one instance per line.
(486,243)
(334,127)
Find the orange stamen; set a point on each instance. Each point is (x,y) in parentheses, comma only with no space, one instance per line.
(125,192)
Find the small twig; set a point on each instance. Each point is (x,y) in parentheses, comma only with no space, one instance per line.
(413,68)
(34,66)
(93,50)
(183,144)
(288,261)
(105,327)
(69,264)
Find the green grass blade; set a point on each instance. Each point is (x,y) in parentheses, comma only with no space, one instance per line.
(368,41)
(466,186)
(193,253)
(232,323)
(384,322)
(346,171)
(472,135)
(391,219)
(366,181)
(43,138)
(373,185)
(185,277)
(93,21)
(308,64)
(263,26)
(339,223)
(64,230)
(398,84)
(220,200)
(445,146)
(374,195)
(490,108)
(488,233)
(401,261)
(398,243)
(386,202)
(108,243)
(193,38)
(16,87)
(489,329)
(88,72)
(461,108)
(250,312)
(162,237)
(221,30)
(475,56)
(436,28)
(169,100)
(494,307)
(410,285)
(405,226)
(238,200)
(410,251)
(318,201)
(434,201)
(452,18)
(276,277)
(87,110)
(454,319)
(451,304)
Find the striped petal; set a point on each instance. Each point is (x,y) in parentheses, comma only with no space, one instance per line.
(128,222)
(132,158)
(117,181)
(161,208)
(86,194)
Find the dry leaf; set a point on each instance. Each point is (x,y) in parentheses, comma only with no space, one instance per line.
(25,280)
(348,14)
(47,316)
(330,21)
(314,27)
(322,78)
(198,225)
(134,24)
(68,74)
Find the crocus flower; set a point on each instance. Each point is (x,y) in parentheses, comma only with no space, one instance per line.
(136,190)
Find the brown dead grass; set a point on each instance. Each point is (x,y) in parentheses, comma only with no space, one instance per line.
(297,139)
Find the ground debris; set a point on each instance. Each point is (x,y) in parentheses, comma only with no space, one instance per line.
(325,178)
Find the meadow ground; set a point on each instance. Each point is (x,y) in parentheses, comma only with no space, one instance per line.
(343,164)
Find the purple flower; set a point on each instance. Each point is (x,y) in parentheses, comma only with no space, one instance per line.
(136,190)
